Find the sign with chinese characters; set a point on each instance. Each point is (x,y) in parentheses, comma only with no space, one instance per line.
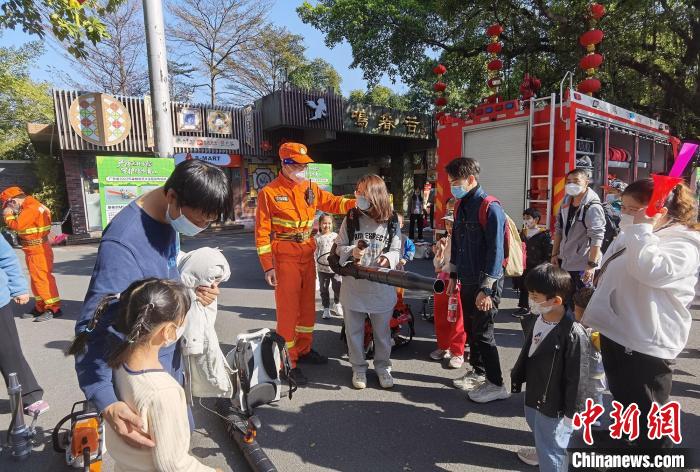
(219,122)
(100,119)
(122,179)
(368,119)
(322,174)
(221,160)
(189,119)
(248,126)
(204,142)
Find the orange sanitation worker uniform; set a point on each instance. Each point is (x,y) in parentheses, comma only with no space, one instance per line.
(33,224)
(283,224)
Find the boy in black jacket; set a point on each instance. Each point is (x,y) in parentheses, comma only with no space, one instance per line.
(538,243)
(554,364)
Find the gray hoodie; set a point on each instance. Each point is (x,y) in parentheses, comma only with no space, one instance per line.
(575,246)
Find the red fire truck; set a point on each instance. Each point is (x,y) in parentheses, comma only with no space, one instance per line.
(526,148)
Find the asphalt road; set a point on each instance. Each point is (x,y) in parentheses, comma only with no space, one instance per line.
(422,424)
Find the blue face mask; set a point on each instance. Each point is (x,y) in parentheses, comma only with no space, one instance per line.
(458,191)
(362,203)
(182,225)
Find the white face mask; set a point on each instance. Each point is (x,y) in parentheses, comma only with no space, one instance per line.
(179,331)
(538,308)
(182,224)
(574,189)
(298,176)
(626,220)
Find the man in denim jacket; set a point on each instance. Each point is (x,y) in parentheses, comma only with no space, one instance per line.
(477,262)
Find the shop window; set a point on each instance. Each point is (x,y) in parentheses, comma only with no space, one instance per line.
(91,194)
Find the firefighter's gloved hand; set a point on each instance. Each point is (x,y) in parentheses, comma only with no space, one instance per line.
(358,253)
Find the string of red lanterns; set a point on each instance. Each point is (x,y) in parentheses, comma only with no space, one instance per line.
(592,60)
(439,87)
(495,65)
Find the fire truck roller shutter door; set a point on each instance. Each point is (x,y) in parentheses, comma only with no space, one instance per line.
(501,151)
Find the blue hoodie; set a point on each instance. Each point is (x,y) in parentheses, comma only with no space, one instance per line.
(12,281)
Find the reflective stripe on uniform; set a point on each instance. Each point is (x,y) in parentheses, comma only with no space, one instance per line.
(51,301)
(289,344)
(10,218)
(343,205)
(304,329)
(292,223)
(36,230)
(38,299)
(264,249)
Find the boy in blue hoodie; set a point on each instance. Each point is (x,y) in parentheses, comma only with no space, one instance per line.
(13,286)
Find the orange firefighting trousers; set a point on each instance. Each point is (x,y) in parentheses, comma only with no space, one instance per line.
(40,266)
(295,294)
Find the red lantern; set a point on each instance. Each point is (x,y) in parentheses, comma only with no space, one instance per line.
(439,69)
(589,86)
(439,115)
(495,64)
(597,10)
(591,61)
(439,86)
(494,48)
(441,101)
(494,30)
(591,37)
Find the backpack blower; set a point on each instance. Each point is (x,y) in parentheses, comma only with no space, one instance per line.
(84,443)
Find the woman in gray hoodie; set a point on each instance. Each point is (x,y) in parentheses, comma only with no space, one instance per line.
(361,298)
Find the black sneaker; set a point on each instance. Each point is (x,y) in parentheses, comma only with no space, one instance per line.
(33,313)
(297,376)
(313,357)
(48,315)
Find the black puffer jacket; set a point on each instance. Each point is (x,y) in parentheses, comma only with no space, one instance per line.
(557,373)
(538,248)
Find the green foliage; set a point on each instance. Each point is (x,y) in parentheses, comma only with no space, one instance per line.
(21,100)
(381,96)
(651,48)
(70,21)
(51,190)
(316,74)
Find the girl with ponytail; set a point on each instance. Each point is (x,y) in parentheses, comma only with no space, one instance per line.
(150,315)
(644,288)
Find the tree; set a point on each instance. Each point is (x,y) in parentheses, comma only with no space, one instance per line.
(317,74)
(72,21)
(212,32)
(652,47)
(21,100)
(118,64)
(380,95)
(265,68)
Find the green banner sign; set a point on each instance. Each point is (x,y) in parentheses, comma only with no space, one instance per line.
(123,179)
(322,175)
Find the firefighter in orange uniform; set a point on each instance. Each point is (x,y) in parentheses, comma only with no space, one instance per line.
(32,222)
(283,224)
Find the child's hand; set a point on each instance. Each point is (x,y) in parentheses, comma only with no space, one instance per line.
(358,253)
(207,295)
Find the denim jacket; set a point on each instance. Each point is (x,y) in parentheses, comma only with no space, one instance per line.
(477,253)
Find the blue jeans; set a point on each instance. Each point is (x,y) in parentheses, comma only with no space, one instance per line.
(551,440)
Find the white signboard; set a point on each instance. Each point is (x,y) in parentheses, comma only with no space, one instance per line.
(201,142)
(221,160)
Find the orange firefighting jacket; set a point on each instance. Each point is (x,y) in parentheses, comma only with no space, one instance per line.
(283,214)
(32,225)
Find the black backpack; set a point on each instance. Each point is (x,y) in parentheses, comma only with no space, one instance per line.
(352,225)
(612,223)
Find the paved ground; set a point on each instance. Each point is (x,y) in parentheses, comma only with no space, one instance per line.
(423,424)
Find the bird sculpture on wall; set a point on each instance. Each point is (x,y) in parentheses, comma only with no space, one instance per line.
(319,107)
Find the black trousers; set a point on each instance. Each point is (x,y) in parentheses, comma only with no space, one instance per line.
(638,378)
(415,220)
(12,359)
(325,279)
(483,353)
(432,215)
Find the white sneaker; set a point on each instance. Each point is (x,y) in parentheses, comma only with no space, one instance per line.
(529,456)
(326,314)
(439,354)
(338,309)
(359,380)
(456,362)
(385,379)
(469,381)
(488,392)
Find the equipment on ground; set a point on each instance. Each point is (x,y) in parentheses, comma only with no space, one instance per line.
(19,436)
(84,443)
